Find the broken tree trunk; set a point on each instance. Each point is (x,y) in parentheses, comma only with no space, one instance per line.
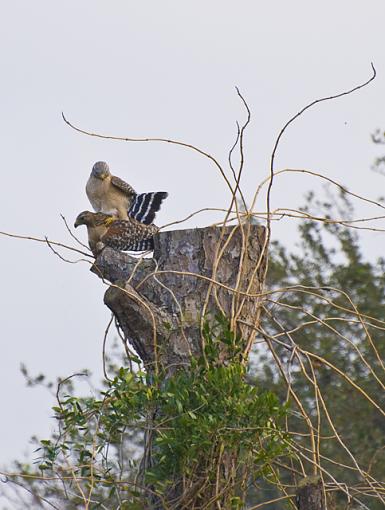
(161,303)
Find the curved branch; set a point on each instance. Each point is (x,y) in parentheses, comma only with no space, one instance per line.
(154,139)
(46,241)
(290,121)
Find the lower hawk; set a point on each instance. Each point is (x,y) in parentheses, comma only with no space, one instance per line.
(106,230)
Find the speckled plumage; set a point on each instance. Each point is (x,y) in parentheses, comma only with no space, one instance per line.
(130,235)
(124,235)
(111,195)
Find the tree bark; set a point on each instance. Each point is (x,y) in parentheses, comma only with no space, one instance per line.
(160,303)
(311,495)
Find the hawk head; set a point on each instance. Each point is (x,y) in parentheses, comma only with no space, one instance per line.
(91,219)
(84,218)
(100,170)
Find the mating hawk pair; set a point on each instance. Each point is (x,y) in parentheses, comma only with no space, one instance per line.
(123,218)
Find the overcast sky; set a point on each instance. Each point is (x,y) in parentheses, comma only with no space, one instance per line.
(169,69)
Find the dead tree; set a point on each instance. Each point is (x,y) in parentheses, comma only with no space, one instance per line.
(160,303)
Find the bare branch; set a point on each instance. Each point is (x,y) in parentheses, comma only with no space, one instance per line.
(154,139)
(72,234)
(39,240)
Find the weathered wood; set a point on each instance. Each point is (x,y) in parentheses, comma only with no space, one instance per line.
(159,302)
(311,495)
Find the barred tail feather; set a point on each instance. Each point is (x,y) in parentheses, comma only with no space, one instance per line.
(122,244)
(146,205)
(145,245)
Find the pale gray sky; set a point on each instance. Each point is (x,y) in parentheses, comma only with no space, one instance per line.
(159,68)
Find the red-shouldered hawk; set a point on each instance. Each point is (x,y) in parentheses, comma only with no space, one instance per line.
(111,195)
(125,235)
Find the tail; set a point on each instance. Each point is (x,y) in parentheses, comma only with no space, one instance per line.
(145,245)
(146,205)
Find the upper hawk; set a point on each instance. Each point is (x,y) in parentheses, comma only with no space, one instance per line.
(111,195)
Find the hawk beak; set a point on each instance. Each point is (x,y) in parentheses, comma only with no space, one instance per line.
(76,224)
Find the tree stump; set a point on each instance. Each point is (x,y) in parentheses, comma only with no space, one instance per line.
(160,302)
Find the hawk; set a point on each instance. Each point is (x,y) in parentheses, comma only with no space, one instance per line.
(111,195)
(106,230)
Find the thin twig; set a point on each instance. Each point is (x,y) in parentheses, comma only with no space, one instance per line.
(72,234)
(39,240)
(104,347)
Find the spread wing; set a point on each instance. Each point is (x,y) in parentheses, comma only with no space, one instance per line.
(123,186)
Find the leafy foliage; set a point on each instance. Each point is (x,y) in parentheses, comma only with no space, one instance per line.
(201,420)
(213,409)
(333,298)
